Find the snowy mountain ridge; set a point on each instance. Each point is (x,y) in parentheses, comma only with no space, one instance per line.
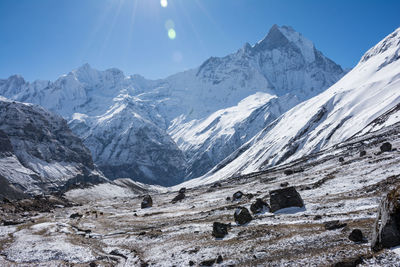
(122,118)
(365,100)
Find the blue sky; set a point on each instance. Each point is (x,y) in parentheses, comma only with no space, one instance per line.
(43,39)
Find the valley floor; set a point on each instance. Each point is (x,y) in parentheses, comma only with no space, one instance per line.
(117,232)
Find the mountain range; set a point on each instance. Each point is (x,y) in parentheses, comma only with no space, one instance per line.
(174,129)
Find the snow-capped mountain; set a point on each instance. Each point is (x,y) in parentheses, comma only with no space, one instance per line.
(128,121)
(39,153)
(365,100)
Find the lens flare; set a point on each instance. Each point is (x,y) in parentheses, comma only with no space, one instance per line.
(171,34)
(164,3)
(169,24)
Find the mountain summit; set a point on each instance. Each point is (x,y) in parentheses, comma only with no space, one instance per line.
(163,131)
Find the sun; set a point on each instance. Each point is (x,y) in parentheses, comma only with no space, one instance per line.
(164,3)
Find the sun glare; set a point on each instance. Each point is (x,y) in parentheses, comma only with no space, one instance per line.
(164,3)
(171,34)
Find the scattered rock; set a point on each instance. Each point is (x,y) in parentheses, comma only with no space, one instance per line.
(219,259)
(284,184)
(179,197)
(220,230)
(147,202)
(228,198)
(386,147)
(242,215)
(353,262)
(182,190)
(341,159)
(75,216)
(191,263)
(207,262)
(237,195)
(285,198)
(363,153)
(386,231)
(9,222)
(259,206)
(317,217)
(356,235)
(216,184)
(288,172)
(249,195)
(333,225)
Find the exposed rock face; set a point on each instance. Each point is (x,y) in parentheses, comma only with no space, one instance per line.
(285,198)
(259,206)
(39,153)
(242,215)
(220,230)
(147,202)
(386,231)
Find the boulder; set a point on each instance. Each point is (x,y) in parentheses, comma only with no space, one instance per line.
(179,197)
(220,230)
(285,198)
(147,202)
(182,190)
(237,195)
(356,235)
(288,172)
(242,215)
(333,225)
(259,206)
(386,231)
(386,147)
(363,153)
(284,184)
(75,216)
(216,184)
(341,159)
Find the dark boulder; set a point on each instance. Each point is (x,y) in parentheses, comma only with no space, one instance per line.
(333,225)
(341,159)
(75,216)
(216,184)
(242,215)
(147,202)
(220,230)
(386,231)
(179,197)
(386,147)
(219,259)
(207,262)
(259,206)
(363,153)
(356,235)
(285,198)
(182,190)
(288,172)
(237,195)
(284,184)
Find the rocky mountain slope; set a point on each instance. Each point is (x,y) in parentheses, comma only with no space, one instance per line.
(285,66)
(365,100)
(341,189)
(39,153)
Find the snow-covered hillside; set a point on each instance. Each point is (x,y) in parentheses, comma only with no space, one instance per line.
(125,120)
(365,100)
(39,152)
